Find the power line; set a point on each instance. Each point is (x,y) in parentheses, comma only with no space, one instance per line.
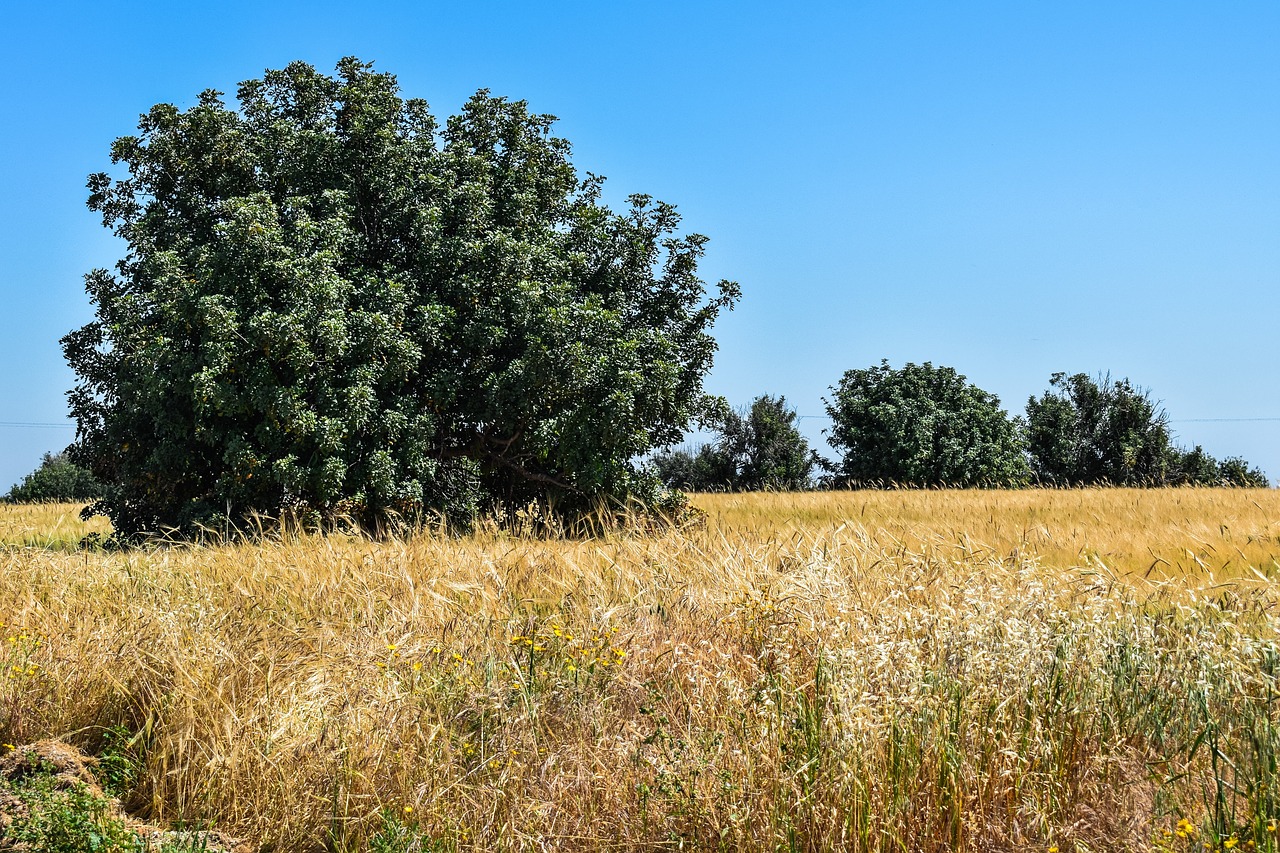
(33,425)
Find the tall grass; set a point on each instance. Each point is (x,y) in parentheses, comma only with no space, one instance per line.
(869,671)
(1161,532)
(46,525)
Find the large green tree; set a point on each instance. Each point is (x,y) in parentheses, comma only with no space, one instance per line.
(329,302)
(765,448)
(922,426)
(1087,431)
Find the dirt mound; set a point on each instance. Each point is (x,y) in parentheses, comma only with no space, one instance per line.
(63,762)
(69,768)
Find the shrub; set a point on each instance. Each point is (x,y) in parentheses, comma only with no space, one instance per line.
(57,479)
(1086,431)
(922,426)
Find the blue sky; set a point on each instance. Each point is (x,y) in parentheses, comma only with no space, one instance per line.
(1008,188)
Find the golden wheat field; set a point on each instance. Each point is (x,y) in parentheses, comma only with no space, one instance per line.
(905,671)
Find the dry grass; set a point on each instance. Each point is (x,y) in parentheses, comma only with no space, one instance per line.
(46,525)
(870,671)
(1167,532)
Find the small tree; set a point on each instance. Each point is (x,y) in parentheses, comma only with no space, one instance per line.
(922,426)
(57,479)
(1193,468)
(1084,431)
(765,449)
(1234,471)
(698,469)
(1197,468)
(758,448)
(331,303)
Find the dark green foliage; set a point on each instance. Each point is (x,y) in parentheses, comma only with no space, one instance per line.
(764,447)
(1192,468)
(401,834)
(758,448)
(1234,471)
(922,426)
(700,469)
(59,817)
(42,809)
(1084,431)
(57,479)
(330,304)
(119,761)
(1197,468)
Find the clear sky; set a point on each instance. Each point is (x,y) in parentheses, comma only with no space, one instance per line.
(1008,188)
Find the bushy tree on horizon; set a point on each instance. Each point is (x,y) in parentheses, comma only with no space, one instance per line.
(922,426)
(766,448)
(1235,471)
(57,479)
(695,468)
(1086,431)
(1195,467)
(1192,467)
(330,303)
(758,448)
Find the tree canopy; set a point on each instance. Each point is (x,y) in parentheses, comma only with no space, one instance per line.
(331,303)
(56,479)
(1235,471)
(757,448)
(766,448)
(1084,431)
(922,426)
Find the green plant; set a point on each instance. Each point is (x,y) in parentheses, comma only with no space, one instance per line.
(399,833)
(1086,431)
(922,426)
(758,448)
(333,306)
(119,761)
(61,818)
(57,479)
